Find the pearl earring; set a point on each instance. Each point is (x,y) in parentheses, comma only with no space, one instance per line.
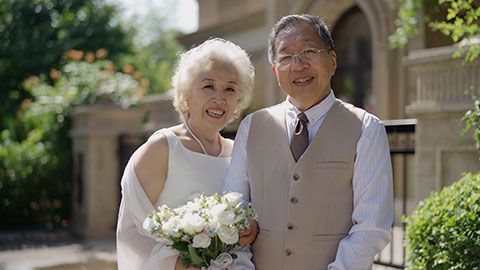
(236,111)
(185,103)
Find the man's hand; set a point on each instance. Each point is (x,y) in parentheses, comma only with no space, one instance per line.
(247,236)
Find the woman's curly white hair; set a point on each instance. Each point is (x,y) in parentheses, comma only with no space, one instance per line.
(200,59)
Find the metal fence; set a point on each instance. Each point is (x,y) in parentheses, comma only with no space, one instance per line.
(401,136)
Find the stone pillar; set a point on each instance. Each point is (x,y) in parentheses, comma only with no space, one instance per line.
(95,135)
(161,112)
(276,9)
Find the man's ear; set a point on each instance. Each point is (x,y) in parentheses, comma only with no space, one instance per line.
(333,56)
(276,76)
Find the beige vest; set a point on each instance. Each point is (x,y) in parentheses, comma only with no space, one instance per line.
(304,208)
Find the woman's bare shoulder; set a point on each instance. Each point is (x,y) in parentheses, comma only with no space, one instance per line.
(151,165)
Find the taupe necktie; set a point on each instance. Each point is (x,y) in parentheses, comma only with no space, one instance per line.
(299,141)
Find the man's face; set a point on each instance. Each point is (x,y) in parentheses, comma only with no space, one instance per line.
(306,83)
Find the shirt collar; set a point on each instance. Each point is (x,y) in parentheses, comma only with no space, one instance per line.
(315,113)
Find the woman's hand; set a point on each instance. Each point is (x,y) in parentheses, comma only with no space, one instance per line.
(179,265)
(247,236)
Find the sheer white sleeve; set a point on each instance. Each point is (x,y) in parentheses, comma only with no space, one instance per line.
(136,249)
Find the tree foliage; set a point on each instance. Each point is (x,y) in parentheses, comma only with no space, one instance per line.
(36,33)
(35,153)
(156,47)
(460,22)
(472,120)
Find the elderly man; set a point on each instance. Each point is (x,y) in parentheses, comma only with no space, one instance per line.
(316,169)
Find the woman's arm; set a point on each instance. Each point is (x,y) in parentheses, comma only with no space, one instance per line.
(151,166)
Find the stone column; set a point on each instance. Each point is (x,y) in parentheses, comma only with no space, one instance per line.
(95,135)
(161,112)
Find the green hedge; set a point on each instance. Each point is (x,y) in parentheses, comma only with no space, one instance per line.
(444,231)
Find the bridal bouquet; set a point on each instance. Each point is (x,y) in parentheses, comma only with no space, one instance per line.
(205,231)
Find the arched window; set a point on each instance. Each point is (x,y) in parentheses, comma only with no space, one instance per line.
(352,81)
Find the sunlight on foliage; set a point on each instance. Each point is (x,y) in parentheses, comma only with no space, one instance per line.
(35,152)
(444,232)
(460,23)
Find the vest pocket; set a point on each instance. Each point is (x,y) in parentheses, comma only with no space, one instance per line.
(328,237)
(332,164)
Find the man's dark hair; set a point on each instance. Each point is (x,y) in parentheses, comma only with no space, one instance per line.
(291,20)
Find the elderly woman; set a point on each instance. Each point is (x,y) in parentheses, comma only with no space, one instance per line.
(213,84)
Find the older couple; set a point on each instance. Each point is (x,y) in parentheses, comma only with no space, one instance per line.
(316,169)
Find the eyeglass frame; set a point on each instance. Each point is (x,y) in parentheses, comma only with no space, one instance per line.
(318,51)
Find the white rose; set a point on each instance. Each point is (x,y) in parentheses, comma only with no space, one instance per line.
(222,215)
(192,223)
(218,209)
(228,235)
(192,206)
(226,217)
(233,198)
(149,224)
(201,240)
(170,226)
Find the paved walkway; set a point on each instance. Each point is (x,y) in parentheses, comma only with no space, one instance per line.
(55,251)
(60,250)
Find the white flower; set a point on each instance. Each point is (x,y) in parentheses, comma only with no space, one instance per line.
(211,202)
(201,240)
(192,206)
(163,212)
(171,225)
(212,226)
(192,223)
(222,215)
(218,209)
(149,224)
(228,235)
(227,217)
(233,198)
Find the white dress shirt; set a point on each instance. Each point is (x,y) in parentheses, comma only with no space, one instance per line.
(372,183)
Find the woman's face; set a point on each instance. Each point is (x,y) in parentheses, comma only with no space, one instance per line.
(214,96)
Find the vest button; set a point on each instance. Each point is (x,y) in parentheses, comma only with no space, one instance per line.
(288,252)
(294,200)
(296,177)
(290,226)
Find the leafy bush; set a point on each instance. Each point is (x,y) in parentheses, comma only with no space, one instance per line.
(35,151)
(444,231)
(472,120)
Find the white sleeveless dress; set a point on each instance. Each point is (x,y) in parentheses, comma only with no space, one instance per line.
(189,174)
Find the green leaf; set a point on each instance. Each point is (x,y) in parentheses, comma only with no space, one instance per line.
(180,246)
(196,259)
(186,260)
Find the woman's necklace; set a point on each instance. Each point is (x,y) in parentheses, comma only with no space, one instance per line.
(200,143)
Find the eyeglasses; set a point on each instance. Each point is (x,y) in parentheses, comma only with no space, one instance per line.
(285,61)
